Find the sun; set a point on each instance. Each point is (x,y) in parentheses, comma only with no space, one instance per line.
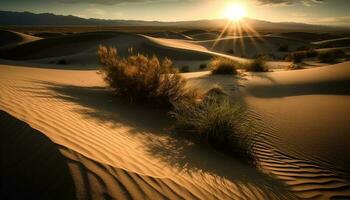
(235,12)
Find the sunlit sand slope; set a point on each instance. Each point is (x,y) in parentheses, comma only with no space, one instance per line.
(300,118)
(115,150)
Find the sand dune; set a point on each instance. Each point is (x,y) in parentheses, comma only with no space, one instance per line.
(204,36)
(48,34)
(80,49)
(339,42)
(311,37)
(12,38)
(115,150)
(170,35)
(330,85)
(301,120)
(251,46)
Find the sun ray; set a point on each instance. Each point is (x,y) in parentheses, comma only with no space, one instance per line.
(221,34)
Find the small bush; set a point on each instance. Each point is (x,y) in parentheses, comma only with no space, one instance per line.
(215,121)
(185,69)
(331,56)
(311,53)
(294,66)
(203,66)
(140,78)
(283,48)
(61,62)
(296,57)
(221,65)
(257,65)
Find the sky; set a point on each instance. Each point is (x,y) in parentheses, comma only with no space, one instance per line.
(326,12)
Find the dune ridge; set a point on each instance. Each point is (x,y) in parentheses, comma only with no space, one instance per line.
(79,50)
(307,147)
(12,38)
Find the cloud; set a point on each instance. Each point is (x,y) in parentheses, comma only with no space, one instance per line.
(289,2)
(311,2)
(344,20)
(109,2)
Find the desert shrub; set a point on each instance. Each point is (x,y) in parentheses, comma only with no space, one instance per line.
(214,121)
(203,66)
(61,62)
(256,65)
(283,48)
(221,65)
(140,78)
(296,57)
(184,69)
(311,53)
(294,66)
(331,55)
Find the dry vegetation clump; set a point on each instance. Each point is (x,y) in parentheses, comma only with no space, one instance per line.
(331,56)
(210,118)
(220,65)
(215,121)
(140,78)
(296,57)
(311,53)
(256,65)
(294,66)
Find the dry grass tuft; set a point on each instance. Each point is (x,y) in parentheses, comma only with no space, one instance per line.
(140,78)
(215,121)
(256,65)
(210,118)
(221,65)
(294,66)
(296,57)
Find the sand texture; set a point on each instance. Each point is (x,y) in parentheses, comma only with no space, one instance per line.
(115,150)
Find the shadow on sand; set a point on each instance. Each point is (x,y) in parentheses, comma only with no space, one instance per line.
(98,103)
(32,167)
(275,90)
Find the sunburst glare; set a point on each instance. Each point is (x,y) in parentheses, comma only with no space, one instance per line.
(237,30)
(235,12)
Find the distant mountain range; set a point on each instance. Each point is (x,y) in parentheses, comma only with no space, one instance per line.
(32,19)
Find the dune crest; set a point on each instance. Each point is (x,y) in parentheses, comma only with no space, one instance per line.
(12,38)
